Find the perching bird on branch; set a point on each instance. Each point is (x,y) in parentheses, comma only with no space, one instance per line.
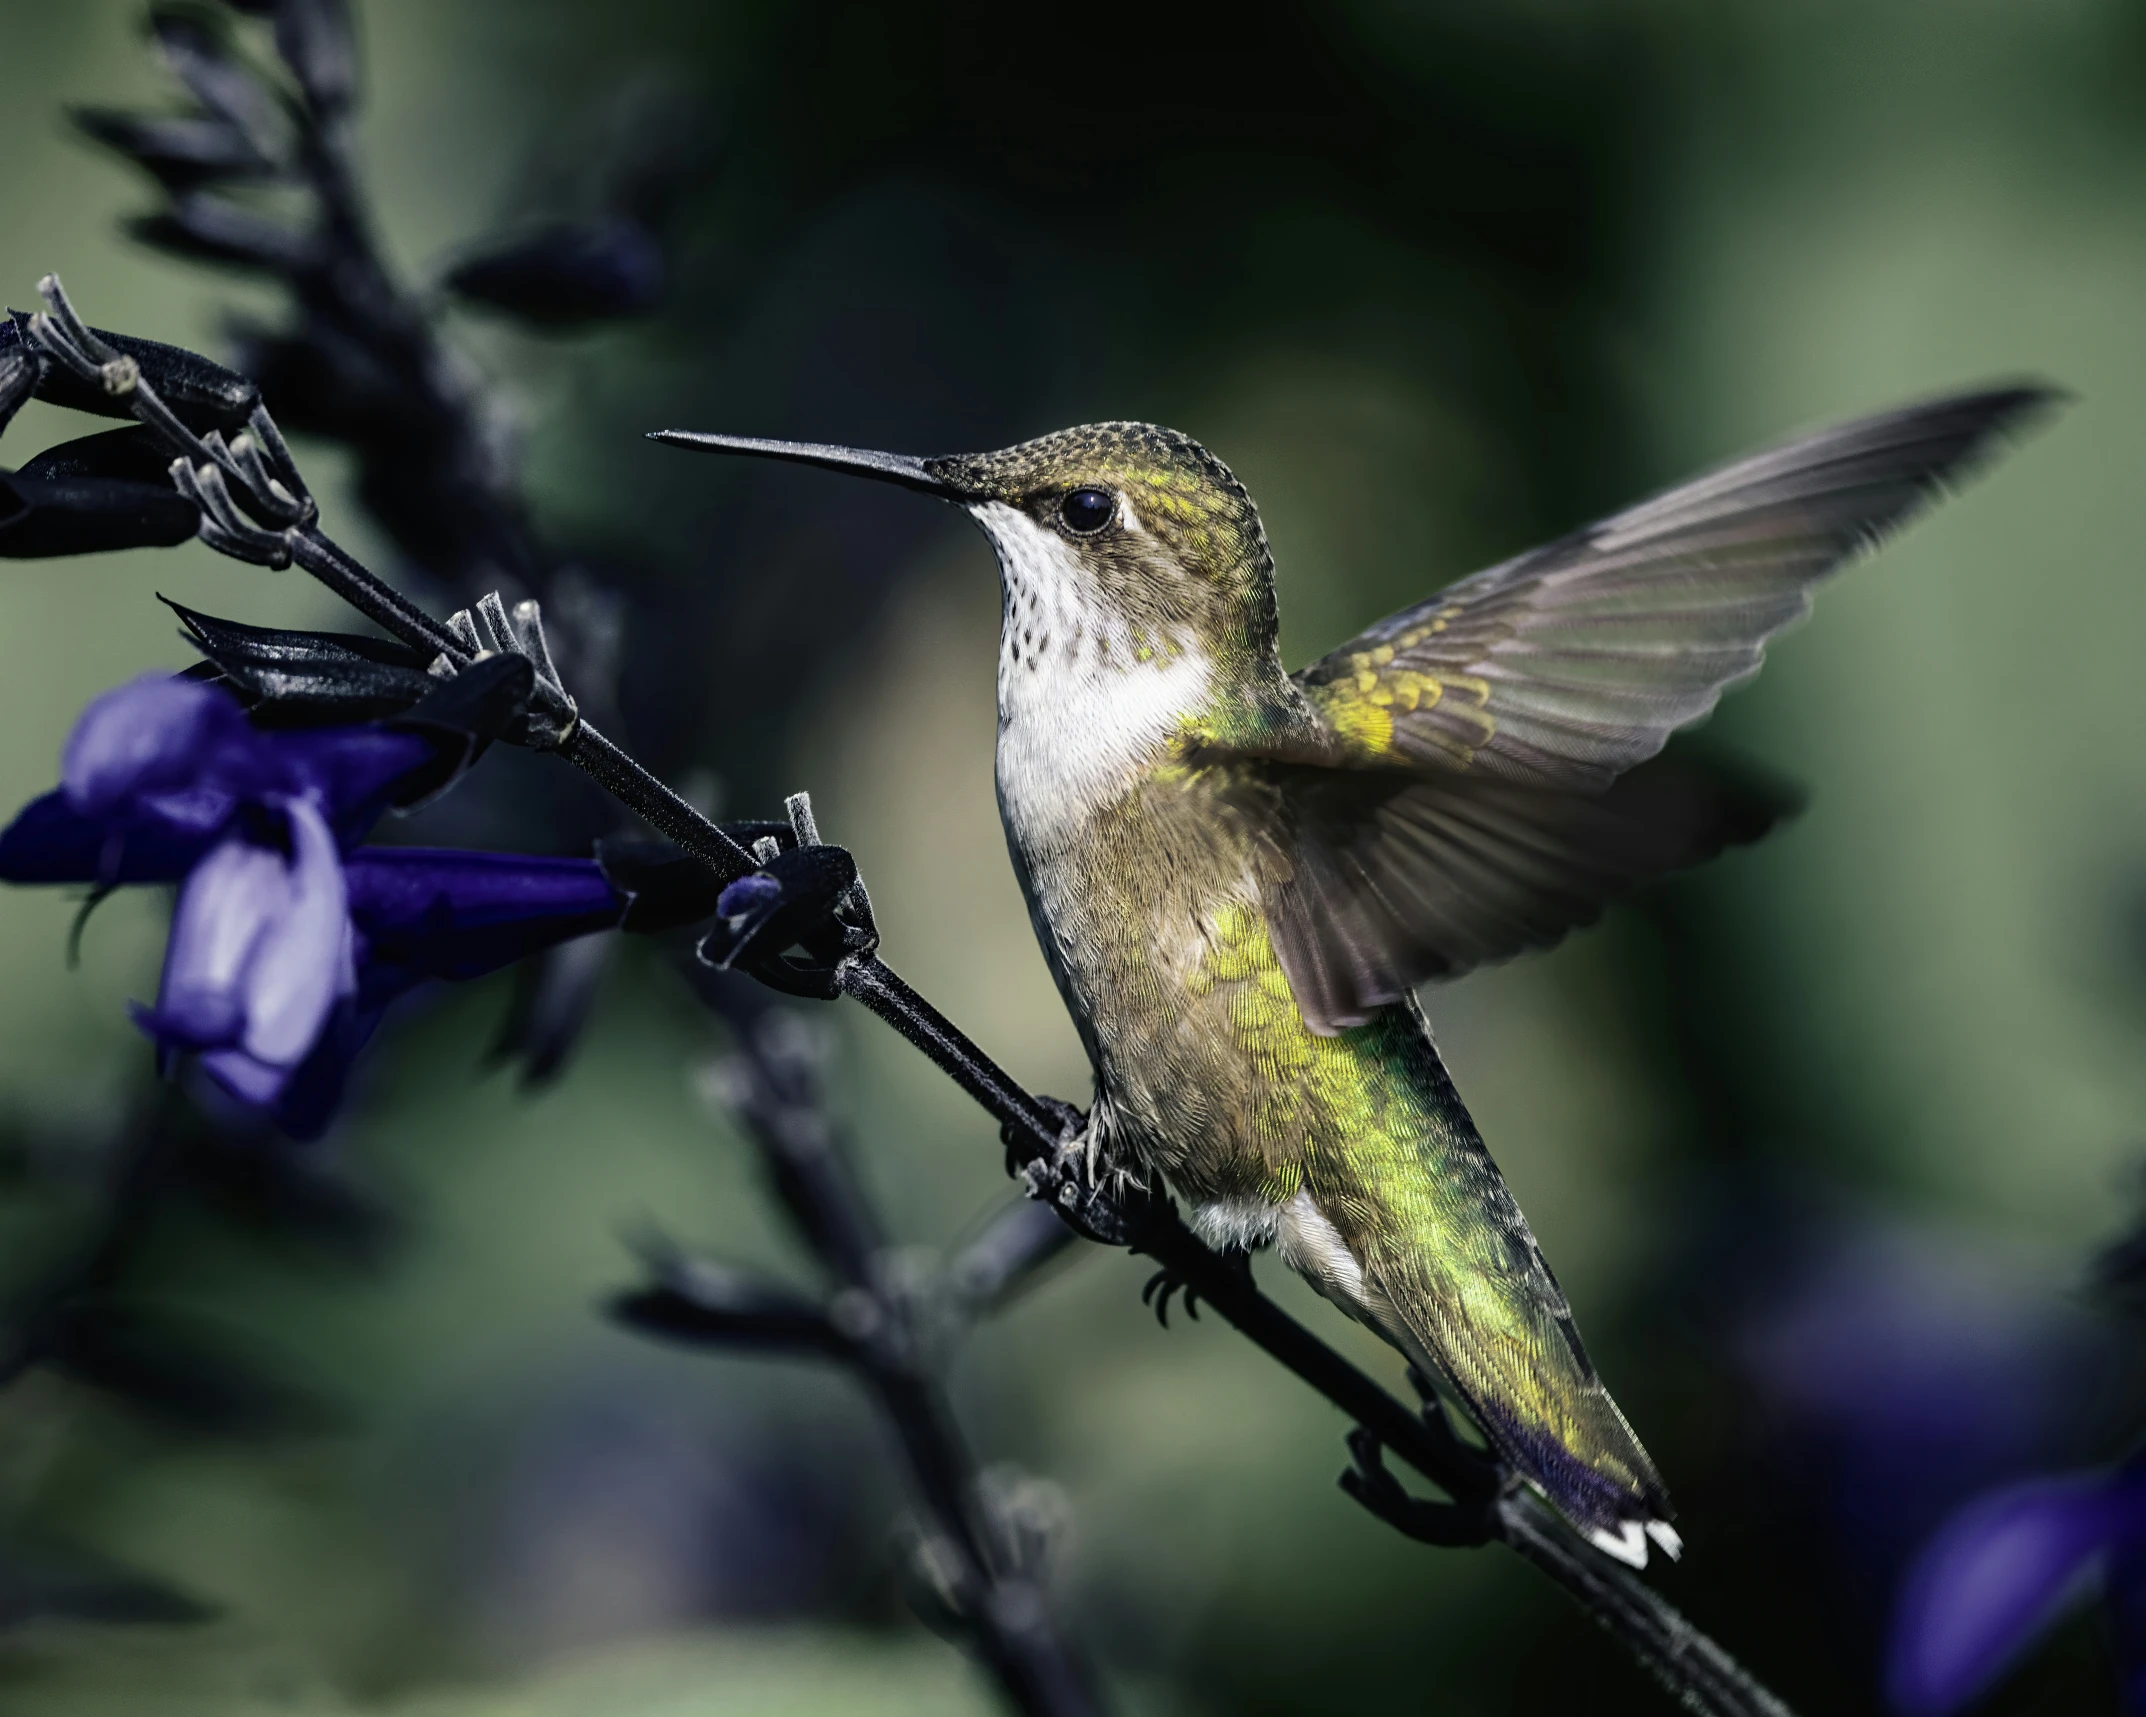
(1239,875)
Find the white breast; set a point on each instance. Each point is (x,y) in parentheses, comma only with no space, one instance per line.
(1080,717)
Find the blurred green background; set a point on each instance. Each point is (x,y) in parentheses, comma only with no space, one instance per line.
(1438,280)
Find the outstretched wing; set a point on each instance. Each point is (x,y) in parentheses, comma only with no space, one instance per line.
(1378,880)
(1468,804)
(1571,663)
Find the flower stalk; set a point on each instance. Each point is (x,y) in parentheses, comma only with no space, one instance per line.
(976,1563)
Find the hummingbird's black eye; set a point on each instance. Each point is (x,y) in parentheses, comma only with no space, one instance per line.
(1087,511)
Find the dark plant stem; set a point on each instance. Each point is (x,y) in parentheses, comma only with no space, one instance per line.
(379,601)
(355,291)
(1696,1671)
(659,807)
(967,1559)
(876,984)
(586,748)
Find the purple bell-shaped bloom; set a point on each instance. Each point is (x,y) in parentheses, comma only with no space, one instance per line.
(157,770)
(260,953)
(290,938)
(2001,1570)
(157,736)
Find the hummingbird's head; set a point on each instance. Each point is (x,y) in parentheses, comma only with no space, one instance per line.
(1138,528)
(1124,536)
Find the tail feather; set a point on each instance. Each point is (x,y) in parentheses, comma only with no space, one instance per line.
(1450,1273)
(1522,1375)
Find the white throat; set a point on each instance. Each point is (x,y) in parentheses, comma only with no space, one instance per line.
(1081,714)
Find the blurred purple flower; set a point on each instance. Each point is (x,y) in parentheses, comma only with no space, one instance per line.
(157,772)
(289,939)
(420,913)
(147,738)
(2001,1570)
(1901,1371)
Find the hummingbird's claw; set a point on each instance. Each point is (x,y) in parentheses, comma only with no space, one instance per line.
(1457,1524)
(1095,1200)
(1161,1286)
(1167,1281)
(1072,1123)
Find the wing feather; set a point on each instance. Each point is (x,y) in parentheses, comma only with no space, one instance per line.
(1575,661)
(1386,879)
(1483,782)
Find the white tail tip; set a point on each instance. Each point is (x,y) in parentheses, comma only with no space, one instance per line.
(1629,1542)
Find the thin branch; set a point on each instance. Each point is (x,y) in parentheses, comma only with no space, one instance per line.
(1696,1671)
(975,1575)
(1015,1248)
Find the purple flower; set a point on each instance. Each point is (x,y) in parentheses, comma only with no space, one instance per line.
(2001,1570)
(417,914)
(290,938)
(1901,1371)
(430,913)
(153,736)
(157,771)
(260,953)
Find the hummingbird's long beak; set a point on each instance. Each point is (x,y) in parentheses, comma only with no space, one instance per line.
(903,468)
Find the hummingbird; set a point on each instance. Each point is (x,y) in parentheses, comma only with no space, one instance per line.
(1239,876)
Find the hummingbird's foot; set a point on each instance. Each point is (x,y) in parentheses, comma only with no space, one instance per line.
(1072,1133)
(1098,1201)
(1457,1524)
(1167,1281)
